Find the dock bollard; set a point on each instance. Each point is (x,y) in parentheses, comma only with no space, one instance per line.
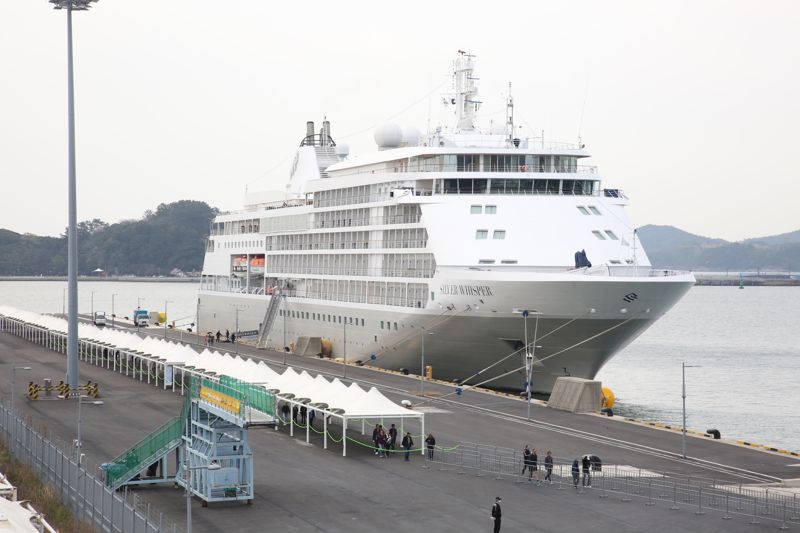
(674,496)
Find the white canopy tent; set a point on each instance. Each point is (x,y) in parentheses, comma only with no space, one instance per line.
(160,359)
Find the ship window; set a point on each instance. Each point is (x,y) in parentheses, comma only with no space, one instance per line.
(612,235)
(432,295)
(465,186)
(481,234)
(485,261)
(598,235)
(395,326)
(508,262)
(491,209)
(381,324)
(499,234)
(615,261)
(451,186)
(497,186)
(479,186)
(583,210)
(525,186)
(476,209)
(362,321)
(594,210)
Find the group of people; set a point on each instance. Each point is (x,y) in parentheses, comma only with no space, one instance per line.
(584,466)
(530,463)
(211,337)
(300,415)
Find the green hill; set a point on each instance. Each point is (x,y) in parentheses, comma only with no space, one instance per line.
(172,236)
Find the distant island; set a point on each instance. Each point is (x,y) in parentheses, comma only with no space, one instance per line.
(166,242)
(670,247)
(170,241)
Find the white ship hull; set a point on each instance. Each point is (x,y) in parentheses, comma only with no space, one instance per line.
(589,319)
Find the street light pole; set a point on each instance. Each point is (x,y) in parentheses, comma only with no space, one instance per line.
(165,317)
(422,362)
(684,366)
(72,231)
(344,351)
(92,307)
(529,355)
(14,381)
(187,477)
(112,309)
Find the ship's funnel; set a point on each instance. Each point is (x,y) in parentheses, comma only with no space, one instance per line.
(309,129)
(326,132)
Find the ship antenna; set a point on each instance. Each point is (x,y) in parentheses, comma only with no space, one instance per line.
(510,116)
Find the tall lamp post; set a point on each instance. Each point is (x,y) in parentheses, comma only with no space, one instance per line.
(92,307)
(113,295)
(78,441)
(422,362)
(236,333)
(138,307)
(14,382)
(684,366)
(529,354)
(72,232)
(165,317)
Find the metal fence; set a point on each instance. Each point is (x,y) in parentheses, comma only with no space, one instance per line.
(86,496)
(679,491)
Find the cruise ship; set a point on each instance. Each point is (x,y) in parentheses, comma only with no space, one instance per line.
(480,257)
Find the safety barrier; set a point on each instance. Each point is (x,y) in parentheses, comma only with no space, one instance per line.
(680,491)
(62,390)
(87,497)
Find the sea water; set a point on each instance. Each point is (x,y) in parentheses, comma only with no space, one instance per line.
(742,346)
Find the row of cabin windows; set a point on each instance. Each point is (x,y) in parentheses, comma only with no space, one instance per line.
(322,317)
(516,186)
(483,234)
(502,261)
(608,233)
(589,210)
(335,319)
(235,227)
(480,209)
(242,244)
(492,163)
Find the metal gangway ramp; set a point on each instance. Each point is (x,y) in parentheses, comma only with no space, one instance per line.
(269,317)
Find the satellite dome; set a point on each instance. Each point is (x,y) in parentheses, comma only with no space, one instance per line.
(388,135)
(411,136)
(342,151)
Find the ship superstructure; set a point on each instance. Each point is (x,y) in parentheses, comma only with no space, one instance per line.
(501,254)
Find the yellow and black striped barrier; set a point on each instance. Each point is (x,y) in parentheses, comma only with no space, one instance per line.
(91,390)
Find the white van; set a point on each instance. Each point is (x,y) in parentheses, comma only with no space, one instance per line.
(99,318)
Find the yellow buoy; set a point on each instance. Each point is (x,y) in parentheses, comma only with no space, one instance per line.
(607,398)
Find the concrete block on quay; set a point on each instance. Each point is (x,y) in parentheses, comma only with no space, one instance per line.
(576,395)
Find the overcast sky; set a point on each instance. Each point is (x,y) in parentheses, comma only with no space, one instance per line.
(691,107)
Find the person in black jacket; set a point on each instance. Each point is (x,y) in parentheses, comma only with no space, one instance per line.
(392,439)
(407,444)
(497,514)
(548,467)
(430,443)
(587,472)
(576,473)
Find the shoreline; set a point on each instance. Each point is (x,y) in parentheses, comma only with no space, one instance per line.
(105,278)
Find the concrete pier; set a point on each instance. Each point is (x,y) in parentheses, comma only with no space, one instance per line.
(302,487)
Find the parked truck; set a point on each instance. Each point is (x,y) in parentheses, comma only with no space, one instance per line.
(140,318)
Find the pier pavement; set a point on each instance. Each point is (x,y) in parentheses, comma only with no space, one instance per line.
(301,487)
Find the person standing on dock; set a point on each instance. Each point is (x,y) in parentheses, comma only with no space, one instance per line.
(285,411)
(548,467)
(430,443)
(303,414)
(227,335)
(576,473)
(535,466)
(392,438)
(312,414)
(587,474)
(497,514)
(526,459)
(294,413)
(407,444)
(219,335)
